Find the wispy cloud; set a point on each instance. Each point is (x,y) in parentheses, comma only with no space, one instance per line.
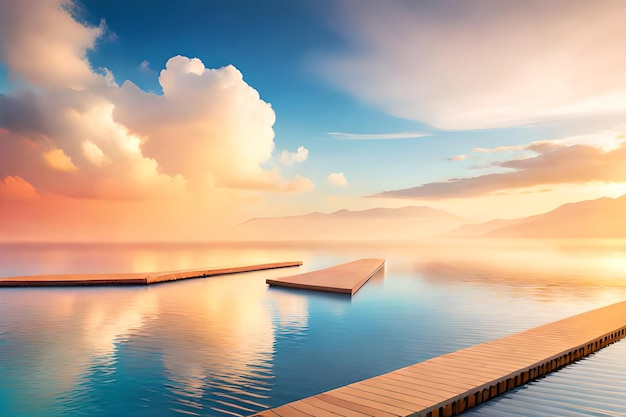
(555,164)
(144,66)
(457,158)
(606,140)
(500,149)
(378,136)
(475,65)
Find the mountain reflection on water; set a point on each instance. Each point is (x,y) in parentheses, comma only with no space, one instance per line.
(229,345)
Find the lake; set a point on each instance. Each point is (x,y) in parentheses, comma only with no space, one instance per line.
(230,345)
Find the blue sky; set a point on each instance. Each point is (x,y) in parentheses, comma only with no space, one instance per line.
(279,46)
(275,44)
(372,104)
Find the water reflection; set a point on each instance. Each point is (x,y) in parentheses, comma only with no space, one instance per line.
(52,337)
(223,338)
(543,270)
(209,343)
(230,345)
(41,259)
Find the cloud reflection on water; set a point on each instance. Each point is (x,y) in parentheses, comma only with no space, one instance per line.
(214,343)
(214,334)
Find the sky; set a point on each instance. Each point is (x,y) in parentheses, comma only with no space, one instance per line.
(175,120)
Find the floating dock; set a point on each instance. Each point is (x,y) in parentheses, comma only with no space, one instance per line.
(449,384)
(345,278)
(134,278)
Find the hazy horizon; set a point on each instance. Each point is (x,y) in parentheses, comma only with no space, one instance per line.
(173,122)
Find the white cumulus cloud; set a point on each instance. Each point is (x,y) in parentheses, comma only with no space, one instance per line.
(289,158)
(337,179)
(82,135)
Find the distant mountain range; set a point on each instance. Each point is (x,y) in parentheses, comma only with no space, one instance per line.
(375,224)
(480,229)
(601,218)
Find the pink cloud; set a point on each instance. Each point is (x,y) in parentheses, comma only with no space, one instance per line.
(97,158)
(338,179)
(43,45)
(81,135)
(458,158)
(577,164)
(481,64)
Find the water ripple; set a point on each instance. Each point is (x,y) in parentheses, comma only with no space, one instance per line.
(594,386)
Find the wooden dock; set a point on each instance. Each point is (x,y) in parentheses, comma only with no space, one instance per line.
(451,383)
(133,278)
(345,278)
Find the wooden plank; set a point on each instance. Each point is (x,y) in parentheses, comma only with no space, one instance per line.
(423,384)
(372,401)
(466,367)
(345,278)
(404,388)
(288,410)
(313,410)
(462,379)
(373,412)
(422,391)
(342,411)
(408,399)
(458,379)
(67,280)
(209,272)
(266,413)
(145,278)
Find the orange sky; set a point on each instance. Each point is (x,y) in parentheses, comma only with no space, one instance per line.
(512,113)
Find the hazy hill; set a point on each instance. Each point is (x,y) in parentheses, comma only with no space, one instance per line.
(476,230)
(601,218)
(374,224)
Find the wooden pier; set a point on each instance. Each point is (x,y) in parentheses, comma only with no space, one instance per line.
(345,278)
(449,384)
(133,278)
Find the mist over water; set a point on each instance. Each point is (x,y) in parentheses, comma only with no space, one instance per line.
(229,345)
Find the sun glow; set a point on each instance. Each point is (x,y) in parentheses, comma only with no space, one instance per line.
(616,189)
(613,265)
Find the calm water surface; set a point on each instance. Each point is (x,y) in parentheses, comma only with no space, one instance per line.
(229,345)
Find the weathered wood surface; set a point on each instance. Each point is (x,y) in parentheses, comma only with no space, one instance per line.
(134,278)
(345,278)
(449,384)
